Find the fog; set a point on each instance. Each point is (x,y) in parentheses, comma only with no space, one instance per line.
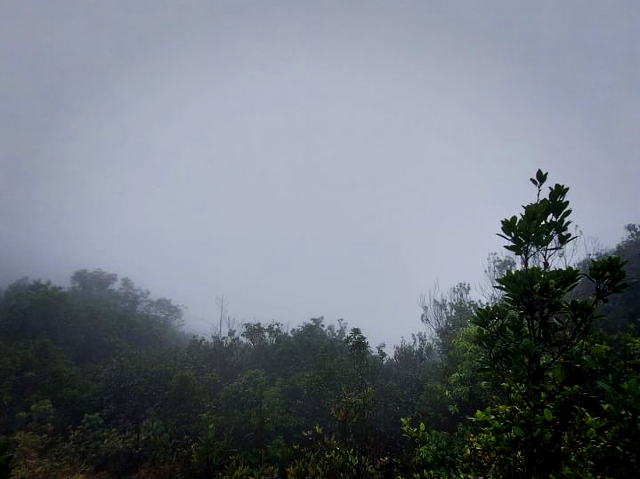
(306,159)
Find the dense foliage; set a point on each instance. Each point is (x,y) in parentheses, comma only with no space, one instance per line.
(540,379)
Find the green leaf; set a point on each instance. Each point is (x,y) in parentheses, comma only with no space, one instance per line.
(548,415)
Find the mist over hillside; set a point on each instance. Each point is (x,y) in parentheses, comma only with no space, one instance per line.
(304,160)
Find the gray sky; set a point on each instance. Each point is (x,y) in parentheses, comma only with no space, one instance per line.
(306,158)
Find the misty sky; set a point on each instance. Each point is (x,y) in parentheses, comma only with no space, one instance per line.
(306,158)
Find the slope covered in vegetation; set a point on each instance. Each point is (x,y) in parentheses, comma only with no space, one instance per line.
(540,380)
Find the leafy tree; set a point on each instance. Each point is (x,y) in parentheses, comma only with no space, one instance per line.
(623,311)
(436,453)
(36,371)
(96,282)
(531,339)
(34,310)
(356,409)
(446,314)
(326,457)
